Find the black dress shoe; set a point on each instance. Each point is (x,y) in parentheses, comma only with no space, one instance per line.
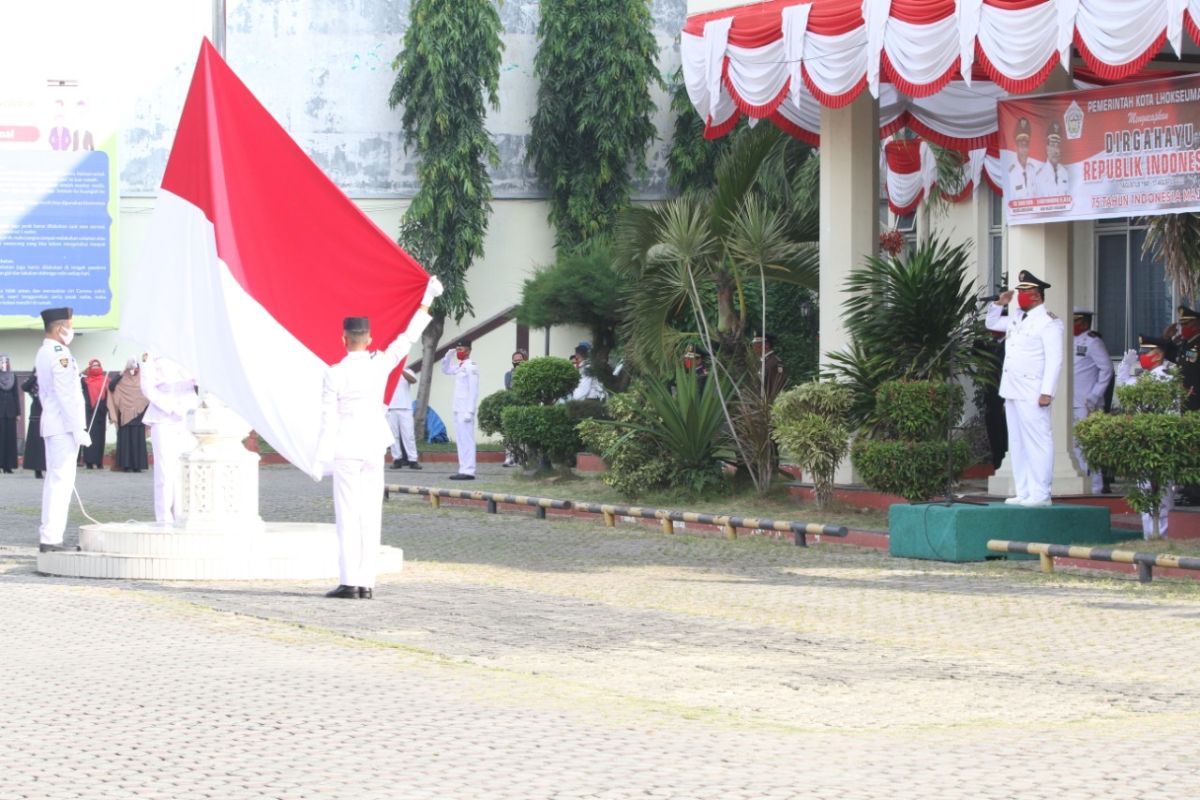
(343,591)
(37,473)
(414,465)
(396,463)
(364,593)
(57,548)
(458,476)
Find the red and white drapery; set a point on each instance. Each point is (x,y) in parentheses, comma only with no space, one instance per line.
(937,67)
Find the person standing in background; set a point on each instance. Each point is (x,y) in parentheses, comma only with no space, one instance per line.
(400,420)
(35,447)
(1093,371)
(519,357)
(10,409)
(126,407)
(95,399)
(172,394)
(457,362)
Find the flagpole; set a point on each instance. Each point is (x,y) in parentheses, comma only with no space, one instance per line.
(218,25)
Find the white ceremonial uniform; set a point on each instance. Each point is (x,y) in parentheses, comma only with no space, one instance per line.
(354,434)
(1127,375)
(64,429)
(1051,180)
(400,419)
(172,394)
(466,397)
(588,387)
(1033,354)
(1022,179)
(1093,371)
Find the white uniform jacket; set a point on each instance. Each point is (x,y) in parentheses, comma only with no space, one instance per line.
(1051,180)
(1093,370)
(58,385)
(402,396)
(1021,179)
(466,382)
(170,390)
(1033,351)
(353,413)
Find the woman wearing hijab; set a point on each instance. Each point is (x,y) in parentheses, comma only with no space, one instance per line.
(10,409)
(35,445)
(95,395)
(126,405)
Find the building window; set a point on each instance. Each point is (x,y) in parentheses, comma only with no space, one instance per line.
(1132,293)
(907,225)
(996,282)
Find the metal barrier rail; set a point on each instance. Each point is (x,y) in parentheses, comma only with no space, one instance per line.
(800,530)
(1145,562)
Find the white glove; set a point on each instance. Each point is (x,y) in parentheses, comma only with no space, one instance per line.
(432,290)
(1131,359)
(83,438)
(316,474)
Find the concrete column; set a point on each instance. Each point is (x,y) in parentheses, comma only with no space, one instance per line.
(849,214)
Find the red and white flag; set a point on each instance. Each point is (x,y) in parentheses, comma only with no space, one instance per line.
(253,259)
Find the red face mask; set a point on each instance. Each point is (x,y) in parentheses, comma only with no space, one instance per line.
(1150,360)
(1080,327)
(687,363)
(1026,299)
(461,353)
(1189,329)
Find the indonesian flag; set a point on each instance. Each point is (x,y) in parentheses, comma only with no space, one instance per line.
(253,259)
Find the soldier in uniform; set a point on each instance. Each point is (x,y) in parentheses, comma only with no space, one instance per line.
(457,362)
(1033,355)
(1052,178)
(172,394)
(1022,173)
(1155,357)
(1093,371)
(354,434)
(64,424)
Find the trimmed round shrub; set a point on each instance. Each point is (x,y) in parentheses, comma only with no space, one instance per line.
(492,406)
(542,381)
(542,430)
(914,470)
(917,411)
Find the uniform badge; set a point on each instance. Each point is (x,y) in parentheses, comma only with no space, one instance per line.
(66,362)
(1081,350)
(58,348)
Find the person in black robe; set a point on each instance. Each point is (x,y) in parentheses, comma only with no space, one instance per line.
(95,397)
(10,409)
(35,445)
(126,406)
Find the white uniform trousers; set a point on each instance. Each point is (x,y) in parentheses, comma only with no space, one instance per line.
(464,439)
(400,420)
(1030,442)
(61,458)
(358,508)
(1081,413)
(170,440)
(1164,510)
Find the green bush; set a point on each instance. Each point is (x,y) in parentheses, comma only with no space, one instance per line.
(913,470)
(636,461)
(579,410)
(812,422)
(917,411)
(491,408)
(542,431)
(906,453)
(1151,394)
(542,381)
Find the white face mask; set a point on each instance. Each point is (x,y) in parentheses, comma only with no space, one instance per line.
(67,335)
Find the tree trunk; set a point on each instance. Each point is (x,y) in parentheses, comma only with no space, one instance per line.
(429,344)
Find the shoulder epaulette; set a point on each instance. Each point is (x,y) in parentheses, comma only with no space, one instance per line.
(1051,315)
(1093,334)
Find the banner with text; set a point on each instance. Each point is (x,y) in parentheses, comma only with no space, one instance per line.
(58,209)
(1119,151)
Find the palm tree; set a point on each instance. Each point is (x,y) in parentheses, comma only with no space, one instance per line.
(689,264)
(1174,239)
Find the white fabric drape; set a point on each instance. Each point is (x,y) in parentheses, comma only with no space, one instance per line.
(795,25)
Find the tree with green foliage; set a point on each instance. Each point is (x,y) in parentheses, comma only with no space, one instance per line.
(578,289)
(812,422)
(447,74)
(596,62)
(692,159)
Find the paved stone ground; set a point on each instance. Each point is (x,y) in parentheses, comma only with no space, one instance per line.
(525,659)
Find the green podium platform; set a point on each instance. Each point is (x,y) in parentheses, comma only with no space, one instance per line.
(961,532)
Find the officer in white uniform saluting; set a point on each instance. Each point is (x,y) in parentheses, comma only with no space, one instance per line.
(172,394)
(64,424)
(1033,355)
(457,362)
(354,435)
(1093,371)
